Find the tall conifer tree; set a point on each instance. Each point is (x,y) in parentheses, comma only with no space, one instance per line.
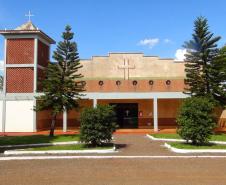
(1,83)
(201,50)
(62,85)
(218,76)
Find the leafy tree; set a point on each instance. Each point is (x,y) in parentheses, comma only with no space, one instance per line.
(195,120)
(97,125)
(218,76)
(1,83)
(62,85)
(201,51)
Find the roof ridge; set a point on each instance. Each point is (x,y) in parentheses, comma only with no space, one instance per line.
(27,26)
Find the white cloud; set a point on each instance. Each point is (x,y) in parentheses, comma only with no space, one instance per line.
(167,41)
(179,55)
(150,42)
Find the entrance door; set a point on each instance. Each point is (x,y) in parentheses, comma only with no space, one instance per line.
(127,114)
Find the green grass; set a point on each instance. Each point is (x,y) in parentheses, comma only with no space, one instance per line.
(180,145)
(18,140)
(166,136)
(216,137)
(70,147)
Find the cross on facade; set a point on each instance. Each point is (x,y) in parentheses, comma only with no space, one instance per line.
(126,67)
(29,15)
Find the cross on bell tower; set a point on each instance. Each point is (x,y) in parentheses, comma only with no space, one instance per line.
(26,57)
(29,15)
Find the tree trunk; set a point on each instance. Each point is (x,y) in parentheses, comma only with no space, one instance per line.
(52,127)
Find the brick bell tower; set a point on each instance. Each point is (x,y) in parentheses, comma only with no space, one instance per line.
(27,52)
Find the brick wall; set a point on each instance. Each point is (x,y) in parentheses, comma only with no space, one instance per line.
(19,80)
(41,77)
(43,54)
(20,51)
(43,59)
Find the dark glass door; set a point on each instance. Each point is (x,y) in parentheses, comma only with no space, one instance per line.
(127,114)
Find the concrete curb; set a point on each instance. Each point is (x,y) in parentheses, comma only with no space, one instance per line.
(21,152)
(41,144)
(180,140)
(162,139)
(109,157)
(184,151)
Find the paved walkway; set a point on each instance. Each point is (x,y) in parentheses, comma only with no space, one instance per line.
(139,144)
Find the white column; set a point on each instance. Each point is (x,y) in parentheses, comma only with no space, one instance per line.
(4,77)
(35,64)
(34,117)
(4,89)
(94,102)
(35,81)
(65,121)
(155,106)
(3,115)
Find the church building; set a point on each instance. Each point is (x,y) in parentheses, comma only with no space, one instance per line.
(146,91)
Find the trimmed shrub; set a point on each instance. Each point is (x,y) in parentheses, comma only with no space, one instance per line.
(195,120)
(97,125)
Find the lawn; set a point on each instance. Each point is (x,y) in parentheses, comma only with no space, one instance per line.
(180,145)
(34,139)
(216,137)
(71,147)
(166,136)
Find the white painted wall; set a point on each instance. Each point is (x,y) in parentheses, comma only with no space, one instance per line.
(1,104)
(19,116)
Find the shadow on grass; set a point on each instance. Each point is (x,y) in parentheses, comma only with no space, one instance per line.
(198,145)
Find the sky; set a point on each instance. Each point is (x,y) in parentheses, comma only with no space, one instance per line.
(154,27)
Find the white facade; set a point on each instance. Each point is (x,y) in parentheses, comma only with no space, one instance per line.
(1,113)
(19,116)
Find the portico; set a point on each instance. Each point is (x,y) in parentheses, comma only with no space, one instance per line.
(155,110)
(153,104)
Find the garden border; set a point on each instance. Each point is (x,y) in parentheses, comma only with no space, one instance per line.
(177,150)
(180,140)
(100,151)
